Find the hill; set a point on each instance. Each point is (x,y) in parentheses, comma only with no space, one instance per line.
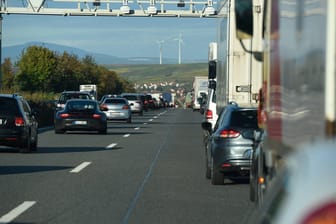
(145,74)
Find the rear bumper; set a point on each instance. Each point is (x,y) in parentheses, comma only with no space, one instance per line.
(13,138)
(68,125)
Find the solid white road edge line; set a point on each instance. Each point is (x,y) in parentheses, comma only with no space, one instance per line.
(10,216)
(80,167)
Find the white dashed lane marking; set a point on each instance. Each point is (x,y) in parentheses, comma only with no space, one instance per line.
(10,216)
(80,167)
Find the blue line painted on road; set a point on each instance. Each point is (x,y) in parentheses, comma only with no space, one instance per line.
(144,182)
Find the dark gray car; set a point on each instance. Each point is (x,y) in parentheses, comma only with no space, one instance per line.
(18,123)
(229,147)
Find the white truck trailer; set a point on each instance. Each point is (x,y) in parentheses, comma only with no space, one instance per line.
(90,88)
(200,88)
(238,71)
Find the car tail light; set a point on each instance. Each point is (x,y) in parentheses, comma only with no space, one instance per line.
(325,214)
(208,114)
(96,116)
(65,115)
(103,107)
(125,107)
(19,121)
(226,165)
(229,134)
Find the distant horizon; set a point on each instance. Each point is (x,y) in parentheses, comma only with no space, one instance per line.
(13,52)
(121,37)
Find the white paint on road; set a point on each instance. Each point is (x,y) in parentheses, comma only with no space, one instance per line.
(80,167)
(110,146)
(10,216)
(137,128)
(150,120)
(126,135)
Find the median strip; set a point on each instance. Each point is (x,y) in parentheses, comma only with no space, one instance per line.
(80,167)
(10,216)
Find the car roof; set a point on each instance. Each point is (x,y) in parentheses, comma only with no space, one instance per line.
(7,95)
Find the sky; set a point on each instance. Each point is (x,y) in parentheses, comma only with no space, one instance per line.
(116,36)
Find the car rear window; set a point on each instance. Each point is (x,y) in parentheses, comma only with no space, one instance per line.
(80,106)
(130,97)
(244,119)
(8,107)
(115,101)
(66,97)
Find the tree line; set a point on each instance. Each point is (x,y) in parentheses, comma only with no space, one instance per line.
(41,70)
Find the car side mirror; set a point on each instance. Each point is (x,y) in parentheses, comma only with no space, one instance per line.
(258,135)
(207,126)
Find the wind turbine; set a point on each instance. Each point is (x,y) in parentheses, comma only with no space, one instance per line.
(180,42)
(160,42)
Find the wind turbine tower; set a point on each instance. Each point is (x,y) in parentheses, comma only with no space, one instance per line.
(180,42)
(160,42)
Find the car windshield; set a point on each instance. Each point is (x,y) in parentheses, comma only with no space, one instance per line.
(80,106)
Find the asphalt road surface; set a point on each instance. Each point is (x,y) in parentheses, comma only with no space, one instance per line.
(151,171)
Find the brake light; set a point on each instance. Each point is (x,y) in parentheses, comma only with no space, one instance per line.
(208,114)
(125,107)
(19,121)
(103,107)
(229,134)
(325,214)
(64,115)
(96,116)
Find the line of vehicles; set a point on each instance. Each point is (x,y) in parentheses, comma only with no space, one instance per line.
(74,111)
(275,59)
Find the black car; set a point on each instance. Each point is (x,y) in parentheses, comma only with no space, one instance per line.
(229,146)
(80,115)
(67,95)
(18,123)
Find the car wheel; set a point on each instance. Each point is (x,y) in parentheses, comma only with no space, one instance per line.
(217,178)
(104,131)
(129,120)
(207,166)
(27,146)
(59,131)
(34,144)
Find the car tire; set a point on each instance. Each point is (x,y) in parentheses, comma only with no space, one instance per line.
(26,148)
(33,146)
(207,167)
(217,178)
(104,131)
(129,120)
(59,131)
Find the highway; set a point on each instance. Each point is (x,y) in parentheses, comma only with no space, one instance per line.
(151,171)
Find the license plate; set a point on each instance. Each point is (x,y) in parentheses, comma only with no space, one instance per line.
(80,122)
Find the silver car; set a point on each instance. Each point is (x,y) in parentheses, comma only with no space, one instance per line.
(135,102)
(117,109)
